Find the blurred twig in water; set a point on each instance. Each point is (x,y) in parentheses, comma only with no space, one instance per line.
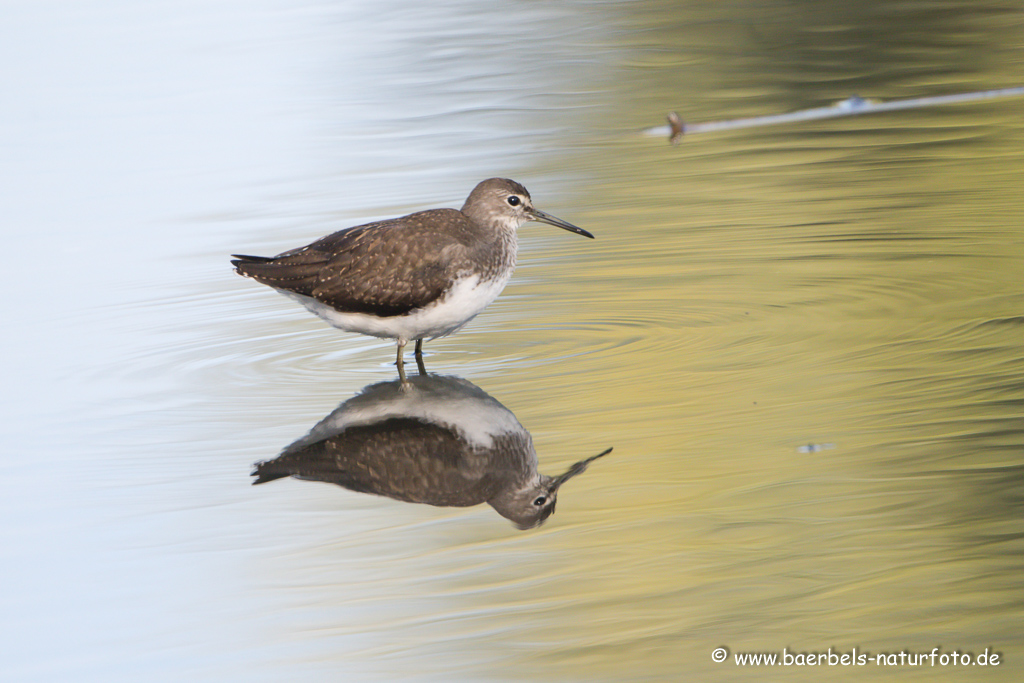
(849,107)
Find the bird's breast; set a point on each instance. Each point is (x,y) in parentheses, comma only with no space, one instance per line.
(468,295)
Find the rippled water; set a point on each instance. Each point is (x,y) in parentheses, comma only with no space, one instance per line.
(804,342)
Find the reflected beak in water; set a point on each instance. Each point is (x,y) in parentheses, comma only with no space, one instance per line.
(578,468)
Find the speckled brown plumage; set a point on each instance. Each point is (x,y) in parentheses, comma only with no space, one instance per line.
(410,460)
(386,268)
(418,277)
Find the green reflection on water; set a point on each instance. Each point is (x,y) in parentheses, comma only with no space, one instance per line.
(850,282)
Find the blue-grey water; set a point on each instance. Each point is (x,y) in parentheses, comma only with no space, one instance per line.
(805,342)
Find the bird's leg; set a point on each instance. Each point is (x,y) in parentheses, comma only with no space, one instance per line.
(419,357)
(400,362)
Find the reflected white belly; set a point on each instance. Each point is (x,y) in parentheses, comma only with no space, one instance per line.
(460,304)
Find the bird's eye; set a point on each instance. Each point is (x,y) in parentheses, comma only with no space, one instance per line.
(513,200)
(540,500)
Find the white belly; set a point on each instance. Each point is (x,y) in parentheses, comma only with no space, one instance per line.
(456,307)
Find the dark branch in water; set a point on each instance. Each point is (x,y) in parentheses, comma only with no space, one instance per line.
(677,128)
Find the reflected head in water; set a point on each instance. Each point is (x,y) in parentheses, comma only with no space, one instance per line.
(437,440)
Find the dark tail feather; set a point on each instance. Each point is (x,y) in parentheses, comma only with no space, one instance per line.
(264,472)
(297,272)
(240,259)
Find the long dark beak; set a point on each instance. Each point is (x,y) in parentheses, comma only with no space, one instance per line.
(578,468)
(538,215)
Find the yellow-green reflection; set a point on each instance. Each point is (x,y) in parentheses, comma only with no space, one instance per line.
(851,282)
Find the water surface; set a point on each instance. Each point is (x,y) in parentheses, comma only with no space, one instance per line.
(804,342)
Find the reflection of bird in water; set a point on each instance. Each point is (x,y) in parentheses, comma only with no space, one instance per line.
(440,441)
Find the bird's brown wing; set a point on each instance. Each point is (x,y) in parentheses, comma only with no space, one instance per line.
(387,268)
(400,457)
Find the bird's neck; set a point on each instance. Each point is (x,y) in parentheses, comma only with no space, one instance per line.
(497,259)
